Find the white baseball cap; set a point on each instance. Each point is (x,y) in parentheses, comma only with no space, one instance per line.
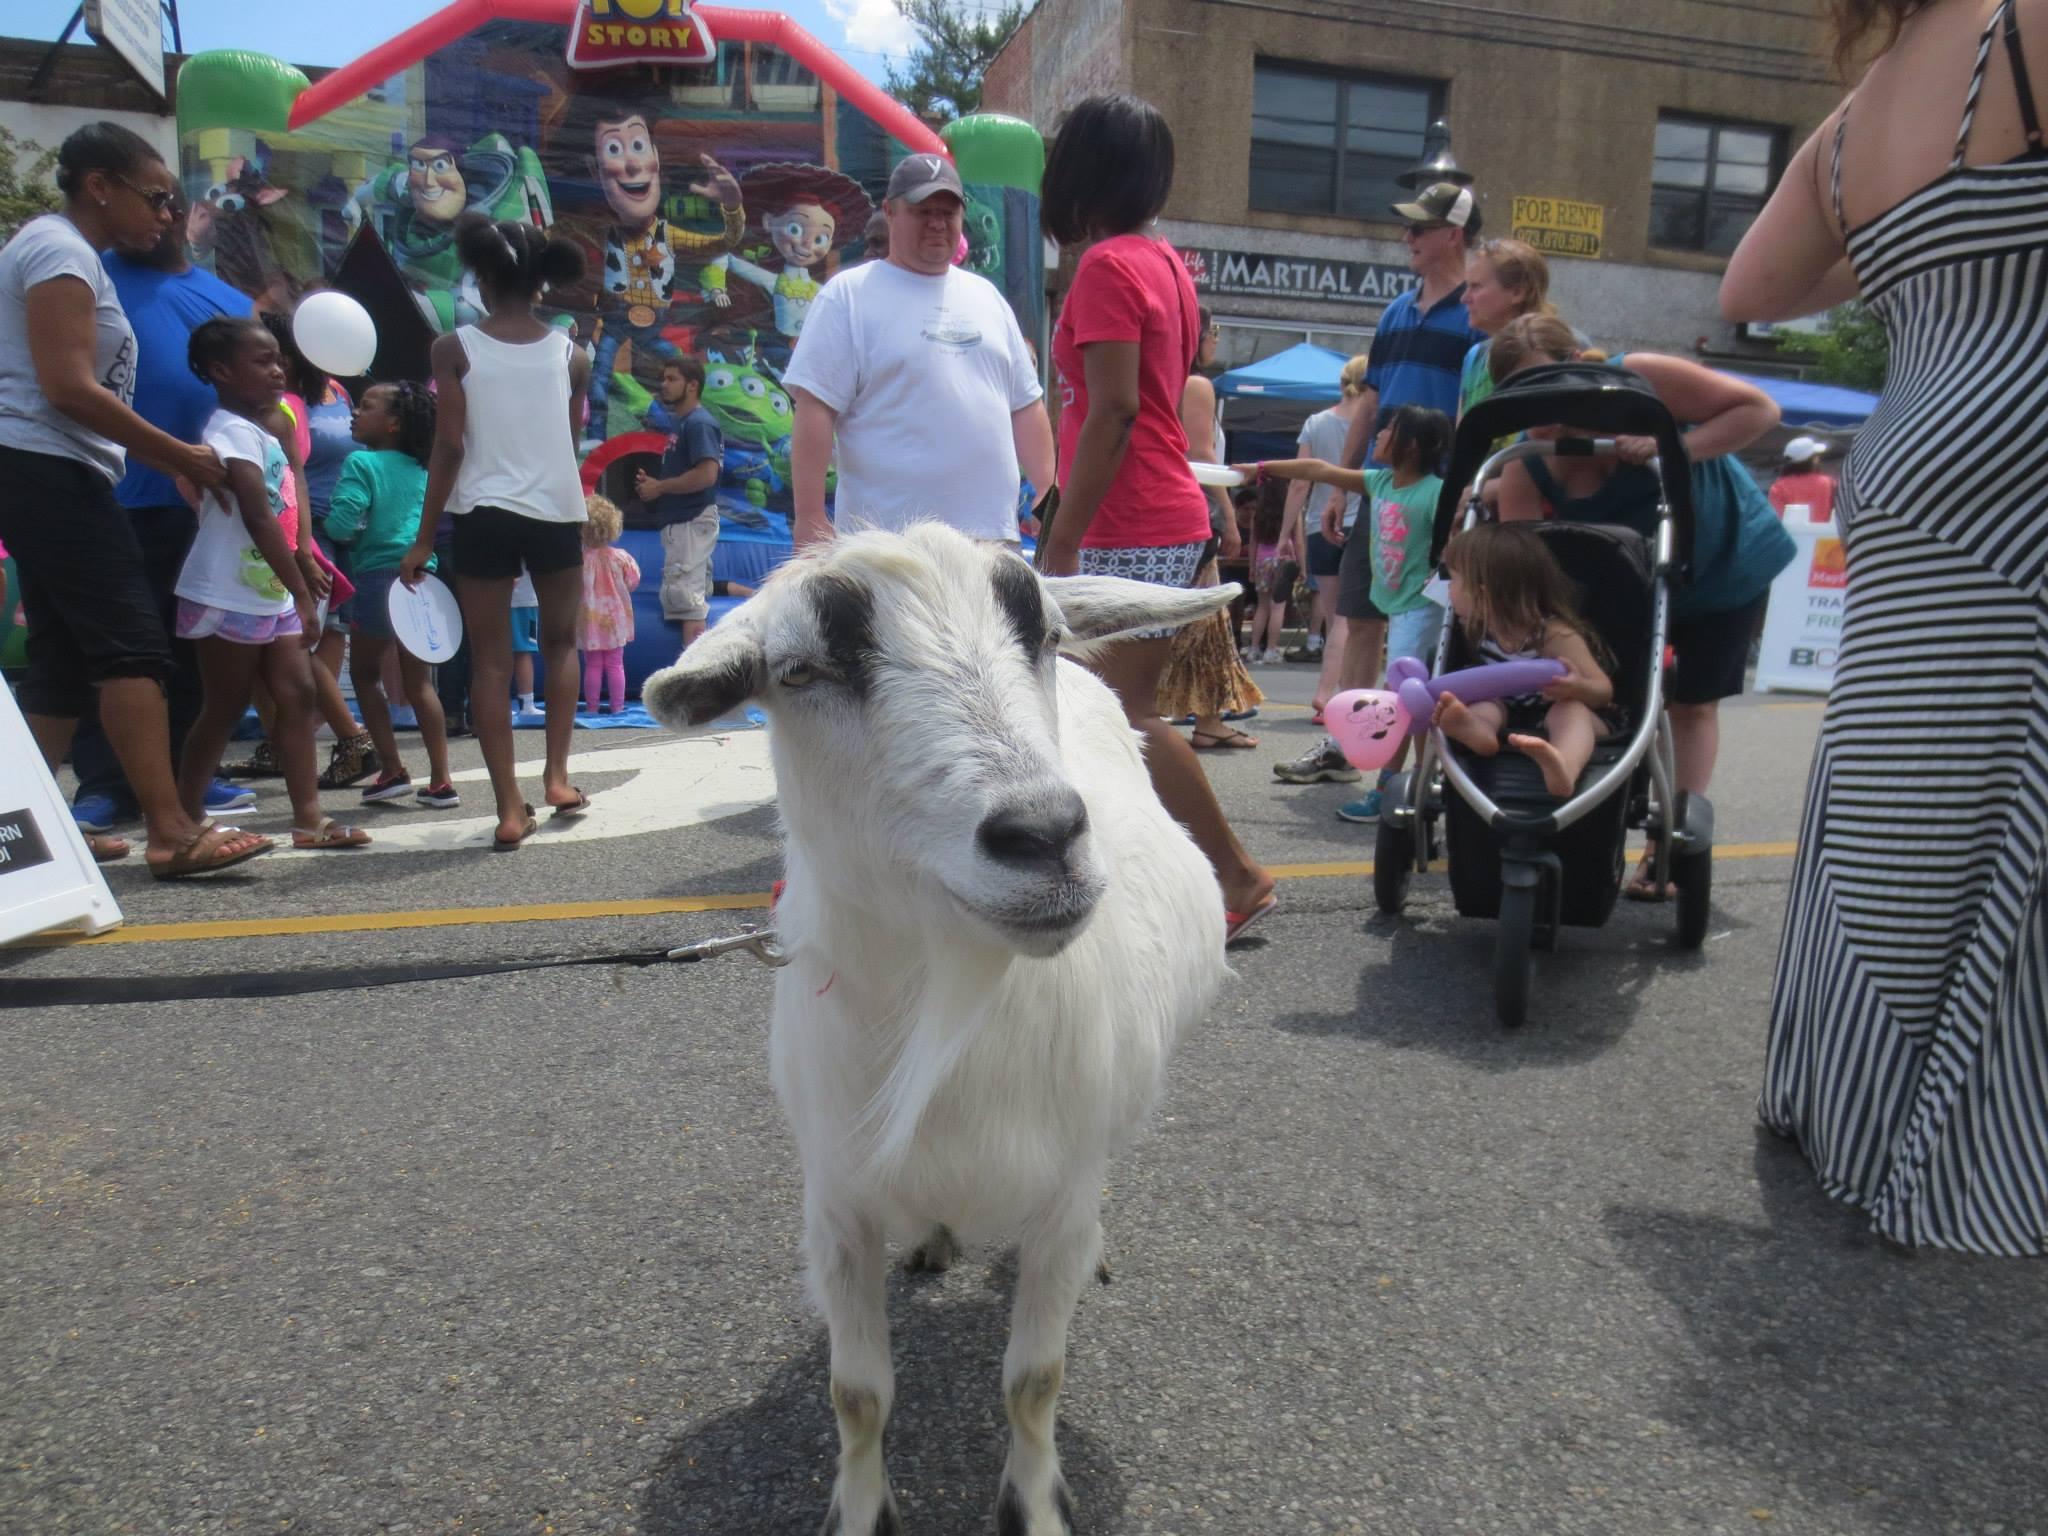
(1802,449)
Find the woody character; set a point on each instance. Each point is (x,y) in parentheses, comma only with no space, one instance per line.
(638,268)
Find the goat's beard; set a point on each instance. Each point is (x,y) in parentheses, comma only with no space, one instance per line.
(1042,925)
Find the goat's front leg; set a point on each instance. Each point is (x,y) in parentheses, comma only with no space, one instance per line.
(847,1262)
(1054,1261)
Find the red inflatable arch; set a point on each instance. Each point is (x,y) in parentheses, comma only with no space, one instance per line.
(726,25)
(609,452)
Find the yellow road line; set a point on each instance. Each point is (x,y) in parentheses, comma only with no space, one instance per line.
(385,922)
(574,911)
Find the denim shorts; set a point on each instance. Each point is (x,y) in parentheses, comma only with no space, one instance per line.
(1415,633)
(372,603)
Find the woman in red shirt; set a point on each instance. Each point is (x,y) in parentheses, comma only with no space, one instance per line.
(1129,505)
(1804,483)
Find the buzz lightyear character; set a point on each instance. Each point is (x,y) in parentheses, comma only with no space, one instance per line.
(640,247)
(414,207)
(808,213)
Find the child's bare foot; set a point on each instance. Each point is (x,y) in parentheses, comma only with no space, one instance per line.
(1464,727)
(1557,777)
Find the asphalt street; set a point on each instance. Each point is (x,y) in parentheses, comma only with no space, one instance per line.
(517,1252)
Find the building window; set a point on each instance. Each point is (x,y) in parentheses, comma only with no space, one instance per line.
(1710,181)
(1324,143)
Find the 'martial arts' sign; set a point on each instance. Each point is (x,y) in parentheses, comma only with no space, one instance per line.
(1266,275)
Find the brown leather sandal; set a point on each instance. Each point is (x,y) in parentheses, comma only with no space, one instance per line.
(209,852)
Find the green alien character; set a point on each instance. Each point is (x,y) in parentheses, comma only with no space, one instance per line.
(983,226)
(754,414)
(258,576)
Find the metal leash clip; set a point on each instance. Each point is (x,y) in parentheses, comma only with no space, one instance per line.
(758,942)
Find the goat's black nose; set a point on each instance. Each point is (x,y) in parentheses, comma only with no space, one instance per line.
(1036,831)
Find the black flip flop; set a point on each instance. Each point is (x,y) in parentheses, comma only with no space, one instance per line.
(513,844)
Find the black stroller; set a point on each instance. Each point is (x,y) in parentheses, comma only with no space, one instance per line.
(1515,851)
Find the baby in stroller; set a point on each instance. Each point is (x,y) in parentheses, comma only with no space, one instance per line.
(1515,603)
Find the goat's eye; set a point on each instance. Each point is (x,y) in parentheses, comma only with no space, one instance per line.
(1053,637)
(798,677)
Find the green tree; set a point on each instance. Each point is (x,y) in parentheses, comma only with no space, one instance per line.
(956,39)
(1852,351)
(25,189)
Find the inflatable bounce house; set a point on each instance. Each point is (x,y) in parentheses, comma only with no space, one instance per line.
(717,166)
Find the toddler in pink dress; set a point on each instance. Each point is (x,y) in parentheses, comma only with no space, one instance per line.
(609,578)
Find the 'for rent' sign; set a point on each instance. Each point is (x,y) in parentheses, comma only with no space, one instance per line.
(1557,226)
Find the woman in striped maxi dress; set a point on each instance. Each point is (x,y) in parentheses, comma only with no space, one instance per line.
(1909,1025)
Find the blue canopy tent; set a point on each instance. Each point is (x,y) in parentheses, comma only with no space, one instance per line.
(1265,403)
(1302,372)
(1805,405)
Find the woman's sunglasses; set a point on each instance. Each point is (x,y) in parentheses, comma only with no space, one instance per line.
(157,198)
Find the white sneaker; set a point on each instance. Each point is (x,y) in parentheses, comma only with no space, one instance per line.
(1270,659)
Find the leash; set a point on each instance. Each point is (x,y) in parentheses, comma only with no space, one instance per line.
(77,991)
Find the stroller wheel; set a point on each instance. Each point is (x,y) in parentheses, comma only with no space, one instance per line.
(1512,959)
(1393,864)
(1693,875)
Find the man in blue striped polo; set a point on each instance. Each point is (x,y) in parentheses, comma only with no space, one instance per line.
(1418,353)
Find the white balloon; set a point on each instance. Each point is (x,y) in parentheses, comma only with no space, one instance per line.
(336,334)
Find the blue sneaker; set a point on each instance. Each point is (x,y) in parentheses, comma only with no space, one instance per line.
(1366,809)
(95,813)
(223,796)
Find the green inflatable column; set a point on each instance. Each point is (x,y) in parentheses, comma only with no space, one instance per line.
(1002,160)
(234,88)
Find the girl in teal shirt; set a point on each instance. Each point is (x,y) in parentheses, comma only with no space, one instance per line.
(375,514)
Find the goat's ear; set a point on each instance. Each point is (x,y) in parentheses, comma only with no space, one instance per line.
(1099,608)
(724,669)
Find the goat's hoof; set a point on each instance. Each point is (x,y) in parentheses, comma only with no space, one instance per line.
(935,1255)
(887,1521)
(1102,1274)
(1012,1519)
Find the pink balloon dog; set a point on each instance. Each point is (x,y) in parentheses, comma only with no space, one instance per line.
(1369,724)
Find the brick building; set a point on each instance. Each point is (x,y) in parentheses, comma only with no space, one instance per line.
(1632,139)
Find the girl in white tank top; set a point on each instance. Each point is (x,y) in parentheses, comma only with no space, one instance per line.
(511,455)
(504,463)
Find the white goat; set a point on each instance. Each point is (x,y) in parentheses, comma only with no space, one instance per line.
(996,932)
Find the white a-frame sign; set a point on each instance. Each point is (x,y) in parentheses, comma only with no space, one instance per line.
(47,876)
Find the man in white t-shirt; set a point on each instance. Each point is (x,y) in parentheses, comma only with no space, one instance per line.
(919,372)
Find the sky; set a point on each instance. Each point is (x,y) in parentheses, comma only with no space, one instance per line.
(867,32)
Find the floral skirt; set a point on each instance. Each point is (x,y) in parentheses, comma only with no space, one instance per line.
(1204,676)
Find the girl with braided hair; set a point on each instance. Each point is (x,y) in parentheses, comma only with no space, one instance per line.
(244,599)
(511,390)
(374,513)
(310,415)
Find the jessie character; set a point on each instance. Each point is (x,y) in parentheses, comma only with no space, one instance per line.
(808,214)
(640,248)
